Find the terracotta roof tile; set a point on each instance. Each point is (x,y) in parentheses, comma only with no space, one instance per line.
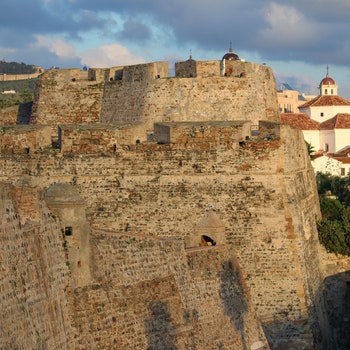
(339,121)
(300,121)
(343,152)
(344,160)
(326,100)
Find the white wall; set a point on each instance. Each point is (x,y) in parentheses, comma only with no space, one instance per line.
(342,138)
(327,137)
(328,165)
(313,138)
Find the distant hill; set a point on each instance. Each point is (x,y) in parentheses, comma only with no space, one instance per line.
(16,68)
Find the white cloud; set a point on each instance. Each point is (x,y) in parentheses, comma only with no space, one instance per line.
(109,56)
(288,27)
(103,56)
(55,45)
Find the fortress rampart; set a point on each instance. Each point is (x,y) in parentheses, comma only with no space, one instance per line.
(10,77)
(145,95)
(179,213)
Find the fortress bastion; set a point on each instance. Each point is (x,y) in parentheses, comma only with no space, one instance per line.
(142,211)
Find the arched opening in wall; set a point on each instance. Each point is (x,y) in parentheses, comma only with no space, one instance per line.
(27,150)
(207,241)
(326,147)
(138,142)
(68,231)
(114,148)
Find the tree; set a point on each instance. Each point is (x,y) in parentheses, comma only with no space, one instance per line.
(310,150)
(332,237)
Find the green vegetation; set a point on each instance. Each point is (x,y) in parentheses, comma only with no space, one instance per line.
(24,92)
(16,68)
(334,227)
(310,150)
(24,89)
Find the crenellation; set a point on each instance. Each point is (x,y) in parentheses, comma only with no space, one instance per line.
(159,212)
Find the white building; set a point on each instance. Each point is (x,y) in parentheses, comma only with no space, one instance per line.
(335,133)
(327,104)
(327,165)
(325,123)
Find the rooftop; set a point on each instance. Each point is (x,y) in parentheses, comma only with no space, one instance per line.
(300,121)
(340,121)
(326,100)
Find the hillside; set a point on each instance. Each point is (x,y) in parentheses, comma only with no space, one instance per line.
(16,68)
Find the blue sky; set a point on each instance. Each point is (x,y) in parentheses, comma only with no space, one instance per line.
(298,39)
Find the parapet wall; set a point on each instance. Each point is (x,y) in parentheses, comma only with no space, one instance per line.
(212,133)
(251,97)
(19,139)
(144,94)
(61,97)
(192,69)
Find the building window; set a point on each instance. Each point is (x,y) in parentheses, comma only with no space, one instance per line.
(342,171)
(326,147)
(321,114)
(331,91)
(325,91)
(68,231)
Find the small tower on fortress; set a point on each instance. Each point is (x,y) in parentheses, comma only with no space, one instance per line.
(65,201)
(209,231)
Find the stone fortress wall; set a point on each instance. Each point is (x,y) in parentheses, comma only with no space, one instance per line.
(144,166)
(144,94)
(10,77)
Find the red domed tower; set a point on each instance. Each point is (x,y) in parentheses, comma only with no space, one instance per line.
(328,86)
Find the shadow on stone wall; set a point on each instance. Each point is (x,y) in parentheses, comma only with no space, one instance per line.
(234,297)
(159,328)
(24,113)
(337,301)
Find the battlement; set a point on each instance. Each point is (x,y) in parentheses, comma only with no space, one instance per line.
(146,188)
(215,132)
(104,138)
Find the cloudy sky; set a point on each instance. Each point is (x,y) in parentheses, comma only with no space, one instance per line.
(298,39)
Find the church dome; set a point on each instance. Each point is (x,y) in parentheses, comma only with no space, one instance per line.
(327,81)
(230,56)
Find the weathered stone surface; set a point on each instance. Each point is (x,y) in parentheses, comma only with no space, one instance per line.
(117,261)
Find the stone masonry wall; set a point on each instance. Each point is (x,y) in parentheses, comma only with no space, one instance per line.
(33,278)
(144,293)
(153,288)
(252,97)
(254,186)
(24,138)
(61,98)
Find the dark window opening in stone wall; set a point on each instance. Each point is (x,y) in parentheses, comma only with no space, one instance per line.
(150,136)
(68,231)
(207,241)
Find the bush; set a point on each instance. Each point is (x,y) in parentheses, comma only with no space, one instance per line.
(334,228)
(333,236)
